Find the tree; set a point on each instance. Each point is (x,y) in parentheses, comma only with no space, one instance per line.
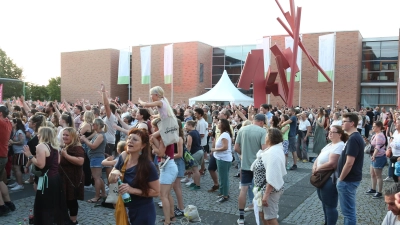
(54,89)
(36,92)
(8,69)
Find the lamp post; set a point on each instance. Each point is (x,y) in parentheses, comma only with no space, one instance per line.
(15,80)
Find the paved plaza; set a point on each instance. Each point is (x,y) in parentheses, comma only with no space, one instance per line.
(298,205)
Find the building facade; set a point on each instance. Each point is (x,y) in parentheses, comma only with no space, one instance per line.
(366,72)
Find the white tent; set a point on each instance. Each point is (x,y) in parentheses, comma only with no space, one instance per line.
(223,91)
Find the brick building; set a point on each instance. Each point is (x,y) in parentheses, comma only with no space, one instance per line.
(360,79)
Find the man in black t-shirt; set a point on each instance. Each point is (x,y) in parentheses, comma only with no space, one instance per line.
(368,126)
(349,168)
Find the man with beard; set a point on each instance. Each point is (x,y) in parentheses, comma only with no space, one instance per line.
(49,110)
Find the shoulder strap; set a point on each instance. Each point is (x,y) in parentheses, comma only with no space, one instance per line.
(123,169)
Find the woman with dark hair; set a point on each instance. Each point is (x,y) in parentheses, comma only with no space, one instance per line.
(328,160)
(70,169)
(17,142)
(140,179)
(49,207)
(36,121)
(274,121)
(180,163)
(378,159)
(142,116)
(319,134)
(269,169)
(223,155)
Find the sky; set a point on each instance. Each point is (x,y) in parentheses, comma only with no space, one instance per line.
(34,33)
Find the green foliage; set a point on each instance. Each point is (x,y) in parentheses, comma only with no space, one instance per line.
(54,89)
(9,70)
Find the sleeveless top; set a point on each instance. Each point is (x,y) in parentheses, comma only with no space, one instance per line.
(51,166)
(163,110)
(100,150)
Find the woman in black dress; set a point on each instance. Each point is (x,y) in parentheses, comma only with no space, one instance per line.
(49,207)
(71,171)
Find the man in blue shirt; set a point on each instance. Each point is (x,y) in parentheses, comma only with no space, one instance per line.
(265,109)
(292,136)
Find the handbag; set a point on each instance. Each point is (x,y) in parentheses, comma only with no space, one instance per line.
(121,217)
(367,149)
(187,158)
(169,130)
(319,178)
(112,196)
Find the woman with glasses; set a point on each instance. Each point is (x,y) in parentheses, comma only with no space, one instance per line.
(328,160)
(378,159)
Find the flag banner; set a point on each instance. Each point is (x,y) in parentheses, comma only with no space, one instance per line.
(264,44)
(326,56)
(124,67)
(1,93)
(168,63)
(145,57)
(289,44)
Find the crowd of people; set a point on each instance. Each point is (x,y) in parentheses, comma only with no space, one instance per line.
(65,147)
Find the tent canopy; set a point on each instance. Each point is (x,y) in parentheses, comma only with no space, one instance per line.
(223,91)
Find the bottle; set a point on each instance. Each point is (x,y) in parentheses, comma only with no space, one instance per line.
(126,197)
(31,218)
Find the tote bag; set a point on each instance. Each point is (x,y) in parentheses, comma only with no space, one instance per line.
(121,217)
(169,130)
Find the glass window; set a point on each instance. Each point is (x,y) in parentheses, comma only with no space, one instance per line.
(389,54)
(201,72)
(390,45)
(233,69)
(371,54)
(234,52)
(234,78)
(215,79)
(382,96)
(218,61)
(217,70)
(218,51)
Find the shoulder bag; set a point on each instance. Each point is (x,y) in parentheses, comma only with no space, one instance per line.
(319,178)
(121,217)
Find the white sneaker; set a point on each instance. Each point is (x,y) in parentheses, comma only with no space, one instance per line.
(160,204)
(388,179)
(88,187)
(191,181)
(249,208)
(240,221)
(184,180)
(12,185)
(18,187)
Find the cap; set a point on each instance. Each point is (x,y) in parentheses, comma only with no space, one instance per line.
(260,117)
(4,110)
(328,106)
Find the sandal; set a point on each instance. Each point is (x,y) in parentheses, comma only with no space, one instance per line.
(172,219)
(93,200)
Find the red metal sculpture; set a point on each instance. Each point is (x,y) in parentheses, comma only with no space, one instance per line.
(253,70)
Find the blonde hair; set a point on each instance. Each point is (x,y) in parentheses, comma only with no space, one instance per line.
(157,90)
(48,135)
(74,135)
(51,125)
(246,122)
(88,117)
(121,146)
(101,124)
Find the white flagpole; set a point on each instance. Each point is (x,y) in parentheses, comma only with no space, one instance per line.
(334,65)
(300,76)
(130,66)
(270,40)
(172,77)
(150,79)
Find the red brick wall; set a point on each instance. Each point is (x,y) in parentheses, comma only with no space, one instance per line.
(82,73)
(187,59)
(347,71)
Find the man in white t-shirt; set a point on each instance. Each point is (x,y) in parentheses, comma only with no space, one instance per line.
(202,127)
(392,216)
(304,132)
(109,120)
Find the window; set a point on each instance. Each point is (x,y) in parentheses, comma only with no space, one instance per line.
(378,96)
(201,72)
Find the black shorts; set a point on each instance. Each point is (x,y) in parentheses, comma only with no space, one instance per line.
(19,159)
(206,148)
(212,163)
(109,149)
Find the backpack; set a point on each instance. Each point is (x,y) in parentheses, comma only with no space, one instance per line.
(188,158)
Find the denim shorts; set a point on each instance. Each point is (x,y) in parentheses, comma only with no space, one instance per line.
(96,162)
(379,162)
(246,177)
(169,173)
(285,145)
(181,167)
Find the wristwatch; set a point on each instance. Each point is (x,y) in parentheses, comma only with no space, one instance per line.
(30,157)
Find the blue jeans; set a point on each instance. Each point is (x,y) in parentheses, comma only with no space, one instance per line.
(390,169)
(347,199)
(329,198)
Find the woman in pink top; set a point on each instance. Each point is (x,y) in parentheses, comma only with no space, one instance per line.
(378,159)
